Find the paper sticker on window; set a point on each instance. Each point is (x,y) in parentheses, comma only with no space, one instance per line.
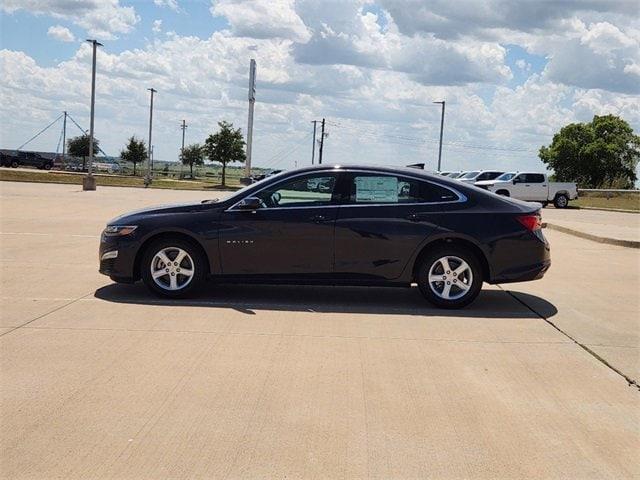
(377,189)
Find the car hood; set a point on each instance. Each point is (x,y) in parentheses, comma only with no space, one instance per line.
(487,182)
(136,215)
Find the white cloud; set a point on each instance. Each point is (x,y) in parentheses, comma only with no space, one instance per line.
(523,65)
(61,33)
(261,19)
(103,19)
(171,4)
(157,26)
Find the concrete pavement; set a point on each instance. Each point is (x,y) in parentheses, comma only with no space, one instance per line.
(106,381)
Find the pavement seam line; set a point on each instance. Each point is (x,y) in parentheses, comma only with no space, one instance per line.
(629,380)
(45,314)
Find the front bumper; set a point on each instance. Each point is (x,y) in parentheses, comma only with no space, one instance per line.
(120,267)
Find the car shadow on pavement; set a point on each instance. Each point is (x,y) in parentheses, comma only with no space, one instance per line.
(491,303)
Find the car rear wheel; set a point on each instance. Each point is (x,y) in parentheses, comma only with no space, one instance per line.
(561,201)
(14,164)
(450,277)
(173,268)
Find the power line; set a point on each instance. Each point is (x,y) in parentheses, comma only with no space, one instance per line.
(450,143)
(285,152)
(40,132)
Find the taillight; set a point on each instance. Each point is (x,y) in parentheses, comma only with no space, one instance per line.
(531,222)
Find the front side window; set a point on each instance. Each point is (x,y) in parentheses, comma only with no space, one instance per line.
(308,191)
(391,189)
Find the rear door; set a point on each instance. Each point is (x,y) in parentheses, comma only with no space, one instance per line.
(535,187)
(383,219)
(290,235)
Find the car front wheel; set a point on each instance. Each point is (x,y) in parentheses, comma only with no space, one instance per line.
(173,268)
(450,277)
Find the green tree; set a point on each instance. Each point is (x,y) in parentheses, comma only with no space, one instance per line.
(602,153)
(227,145)
(135,152)
(79,147)
(192,155)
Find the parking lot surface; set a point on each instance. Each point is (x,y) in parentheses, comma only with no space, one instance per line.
(599,223)
(106,381)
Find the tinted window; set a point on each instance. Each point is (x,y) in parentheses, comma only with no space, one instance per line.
(506,176)
(533,178)
(310,191)
(372,188)
(489,175)
(470,175)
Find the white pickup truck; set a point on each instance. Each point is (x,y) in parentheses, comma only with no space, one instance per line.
(532,187)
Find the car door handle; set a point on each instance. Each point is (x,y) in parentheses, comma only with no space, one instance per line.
(413,217)
(318,218)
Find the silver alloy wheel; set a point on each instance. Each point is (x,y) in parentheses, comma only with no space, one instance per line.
(450,277)
(561,201)
(172,268)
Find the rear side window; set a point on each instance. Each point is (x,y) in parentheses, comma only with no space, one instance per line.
(391,189)
(533,178)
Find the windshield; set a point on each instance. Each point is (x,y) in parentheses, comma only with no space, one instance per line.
(455,175)
(470,175)
(506,176)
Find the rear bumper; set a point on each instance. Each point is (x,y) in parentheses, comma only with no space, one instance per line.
(525,273)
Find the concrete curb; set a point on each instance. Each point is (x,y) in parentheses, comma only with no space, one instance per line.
(594,238)
(610,210)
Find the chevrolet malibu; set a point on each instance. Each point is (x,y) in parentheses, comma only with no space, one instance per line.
(365,226)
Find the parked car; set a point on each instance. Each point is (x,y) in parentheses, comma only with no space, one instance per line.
(27,159)
(534,187)
(375,226)
(455,174)
(473,177)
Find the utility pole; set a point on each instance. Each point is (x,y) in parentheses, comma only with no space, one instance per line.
(147,179)
(88,181)
(441,130)
(64,138)
(252,101)
(321,142)
(313,145)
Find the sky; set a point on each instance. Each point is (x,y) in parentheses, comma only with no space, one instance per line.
(512,74)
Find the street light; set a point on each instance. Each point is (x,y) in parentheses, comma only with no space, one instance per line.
(147,178)
(88,181)
(441,129)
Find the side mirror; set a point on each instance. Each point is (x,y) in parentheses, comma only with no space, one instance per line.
(516,180)
(250,203)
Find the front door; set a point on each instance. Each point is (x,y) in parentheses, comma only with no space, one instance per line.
(290,234)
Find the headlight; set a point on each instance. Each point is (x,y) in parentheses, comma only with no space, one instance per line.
(119,230)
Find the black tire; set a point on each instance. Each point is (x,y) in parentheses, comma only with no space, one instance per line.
(195,257)
(474,282)
(14,164)
(47,166)
(561,201)
(504,193)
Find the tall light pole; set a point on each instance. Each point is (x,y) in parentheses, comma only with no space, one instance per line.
(441,129)
(147,179)
(64,137)
(88,181)
(252,102)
